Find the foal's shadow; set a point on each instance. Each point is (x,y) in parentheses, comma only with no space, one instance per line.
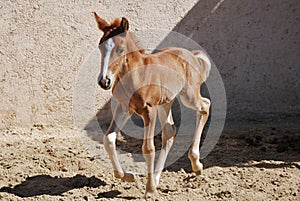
(47,185)
(132,138)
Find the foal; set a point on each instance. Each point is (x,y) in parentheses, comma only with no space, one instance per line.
(147,84)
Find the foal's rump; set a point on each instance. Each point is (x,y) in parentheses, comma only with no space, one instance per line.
(197,61)
(204,62)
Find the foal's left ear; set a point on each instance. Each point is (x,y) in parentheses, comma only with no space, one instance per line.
(124,24)
(102,23)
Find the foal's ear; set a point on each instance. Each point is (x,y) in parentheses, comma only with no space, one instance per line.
(102,23)
(124,24)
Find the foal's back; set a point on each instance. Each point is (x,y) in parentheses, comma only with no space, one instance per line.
(158,78)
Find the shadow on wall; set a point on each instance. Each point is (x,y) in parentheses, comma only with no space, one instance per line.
(253,45)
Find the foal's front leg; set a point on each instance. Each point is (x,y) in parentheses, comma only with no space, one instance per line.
(168,134)
(109,140)
(148,148)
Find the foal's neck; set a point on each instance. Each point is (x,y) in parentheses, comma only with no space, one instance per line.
(134,54)
(135,51)
(134,46)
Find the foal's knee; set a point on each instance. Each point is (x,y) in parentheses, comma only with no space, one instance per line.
(193,154)
(148,147)
(109,140)
(169,131)
(205,106)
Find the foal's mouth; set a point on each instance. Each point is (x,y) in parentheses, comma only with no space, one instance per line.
(105,87)
(105,84)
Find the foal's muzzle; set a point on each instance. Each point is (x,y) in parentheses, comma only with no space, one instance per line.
(105,83)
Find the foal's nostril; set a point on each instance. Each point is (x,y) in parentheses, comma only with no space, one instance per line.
(107,81)
(103,82)
(100,81)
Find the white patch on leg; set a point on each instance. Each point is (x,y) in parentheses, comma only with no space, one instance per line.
(157,177)
(109,142)
(112,137)
(169,118)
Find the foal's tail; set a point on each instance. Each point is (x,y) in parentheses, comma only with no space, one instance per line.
(204,62)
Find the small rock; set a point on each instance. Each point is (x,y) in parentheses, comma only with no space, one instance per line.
(276,183)
(127,187)
(36,6)
(64,169)
(182,171)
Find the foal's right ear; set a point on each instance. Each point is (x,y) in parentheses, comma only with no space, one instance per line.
(102,23)
(124,24)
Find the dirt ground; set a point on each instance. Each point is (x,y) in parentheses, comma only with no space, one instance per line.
(47,163)
(44,43)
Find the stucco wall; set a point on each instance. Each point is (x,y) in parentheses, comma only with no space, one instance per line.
(44,43)
(255,45)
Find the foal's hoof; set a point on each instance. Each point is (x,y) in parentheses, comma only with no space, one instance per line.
(150,189)
(124,176)
(150,193)
(119,175)
(198,169)
(199,172)
(128,177)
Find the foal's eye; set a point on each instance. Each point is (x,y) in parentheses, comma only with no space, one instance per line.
(119,50)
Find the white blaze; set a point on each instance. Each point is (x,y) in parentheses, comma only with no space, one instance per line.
(108,46)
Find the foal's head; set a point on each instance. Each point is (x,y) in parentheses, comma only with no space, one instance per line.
(112,47)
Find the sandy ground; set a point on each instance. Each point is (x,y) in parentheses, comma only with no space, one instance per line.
(43,44)
(47,163)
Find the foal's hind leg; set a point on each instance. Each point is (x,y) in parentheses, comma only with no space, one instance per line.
(201,105)
(202,116)
(168,133)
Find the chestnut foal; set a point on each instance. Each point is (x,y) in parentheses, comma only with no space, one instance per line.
(147,84)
